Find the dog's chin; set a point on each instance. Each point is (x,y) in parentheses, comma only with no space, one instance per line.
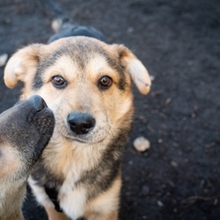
(83,139)
(77,139)
(91,138)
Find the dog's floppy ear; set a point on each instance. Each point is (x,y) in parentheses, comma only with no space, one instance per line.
(135,68)
(23,63)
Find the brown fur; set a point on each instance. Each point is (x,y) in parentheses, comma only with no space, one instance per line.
(18,152)
(85,169)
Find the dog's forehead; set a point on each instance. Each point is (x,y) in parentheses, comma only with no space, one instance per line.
(81,50)
(80,53)
(71,66)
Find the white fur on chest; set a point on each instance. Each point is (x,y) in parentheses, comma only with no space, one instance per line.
(72,199)
(78,160)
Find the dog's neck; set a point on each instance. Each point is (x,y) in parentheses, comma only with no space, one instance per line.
(11,202)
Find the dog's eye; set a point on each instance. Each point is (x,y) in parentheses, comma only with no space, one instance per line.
(59,82)
(105,82)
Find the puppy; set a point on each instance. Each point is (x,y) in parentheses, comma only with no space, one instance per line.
(25,130)
(87,84)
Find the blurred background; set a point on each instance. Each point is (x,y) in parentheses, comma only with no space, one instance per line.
(178,177)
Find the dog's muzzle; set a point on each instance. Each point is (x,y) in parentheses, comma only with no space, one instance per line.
(80,123)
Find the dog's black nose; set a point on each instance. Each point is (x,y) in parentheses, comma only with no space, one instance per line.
(80,123)
(38,103)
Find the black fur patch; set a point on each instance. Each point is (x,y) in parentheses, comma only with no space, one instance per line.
(81,218)
(53,195)
(44,177)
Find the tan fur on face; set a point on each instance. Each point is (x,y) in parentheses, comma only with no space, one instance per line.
(11,165)
(9,154)
(82,62)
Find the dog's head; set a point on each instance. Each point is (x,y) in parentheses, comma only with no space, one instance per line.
(25,129)
(86,82)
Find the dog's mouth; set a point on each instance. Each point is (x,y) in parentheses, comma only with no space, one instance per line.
(93,137)
(83,130)
(84,139)
(76,139)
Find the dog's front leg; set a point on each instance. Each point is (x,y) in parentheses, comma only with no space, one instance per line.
(54,215)
(110,216)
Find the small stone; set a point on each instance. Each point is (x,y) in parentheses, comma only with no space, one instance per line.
(130,162)
(152,78)
(160,141)
(159,203)
(168,101)
(3,59)
(130,30)
(174,164)
(141,144)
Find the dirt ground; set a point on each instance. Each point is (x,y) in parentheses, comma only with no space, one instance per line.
(179,42)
